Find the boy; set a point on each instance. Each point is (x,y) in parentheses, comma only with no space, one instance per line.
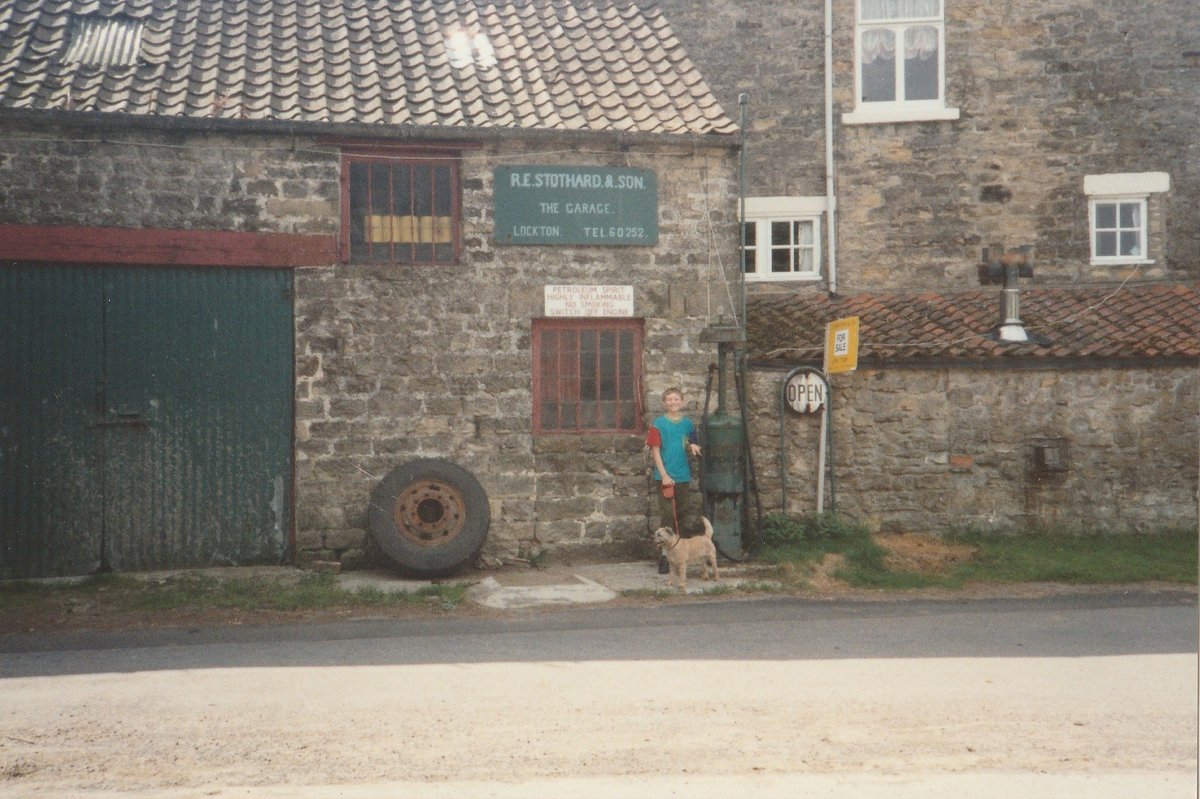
(671,438)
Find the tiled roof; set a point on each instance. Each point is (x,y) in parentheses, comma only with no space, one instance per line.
(1141,322)
(599,65)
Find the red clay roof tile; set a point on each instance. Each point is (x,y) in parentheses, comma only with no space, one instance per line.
(1131,321)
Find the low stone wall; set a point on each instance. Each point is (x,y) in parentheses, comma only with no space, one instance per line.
(937,448)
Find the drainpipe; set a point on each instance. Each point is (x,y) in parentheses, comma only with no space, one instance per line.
(743,100)
(830,200)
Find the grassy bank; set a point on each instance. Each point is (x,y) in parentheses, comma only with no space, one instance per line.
(957,557)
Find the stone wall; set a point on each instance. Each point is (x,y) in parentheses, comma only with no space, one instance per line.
(396,363)
(1049,91)
(938,448)
(177,181)
(401,363)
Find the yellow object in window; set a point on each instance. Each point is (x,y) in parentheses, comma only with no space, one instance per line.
(382,229)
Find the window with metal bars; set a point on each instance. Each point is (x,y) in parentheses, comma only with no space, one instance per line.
(400,210)
(587,376)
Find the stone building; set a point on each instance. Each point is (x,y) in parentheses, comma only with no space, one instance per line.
(256,259)
(889,142)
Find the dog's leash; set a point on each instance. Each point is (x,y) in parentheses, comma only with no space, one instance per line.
(675,513)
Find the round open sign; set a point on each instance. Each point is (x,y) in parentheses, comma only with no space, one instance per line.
(805,392)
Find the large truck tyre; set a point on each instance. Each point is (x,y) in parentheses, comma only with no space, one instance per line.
(431,516)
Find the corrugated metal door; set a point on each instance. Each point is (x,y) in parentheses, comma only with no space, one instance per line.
(188,420)
(51,495)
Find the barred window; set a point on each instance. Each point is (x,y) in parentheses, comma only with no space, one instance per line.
(587,375)
(401,210)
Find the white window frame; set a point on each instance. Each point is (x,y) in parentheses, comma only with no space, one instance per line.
(899,110)
(762,212)
(1130,188)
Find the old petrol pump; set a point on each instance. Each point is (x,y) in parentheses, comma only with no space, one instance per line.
(724,466)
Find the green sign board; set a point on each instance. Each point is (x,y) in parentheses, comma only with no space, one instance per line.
(576,205)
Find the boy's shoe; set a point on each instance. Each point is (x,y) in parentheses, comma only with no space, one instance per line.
(663,566)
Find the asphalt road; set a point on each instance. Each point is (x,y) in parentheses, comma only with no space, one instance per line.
(785,629)
(1090,695)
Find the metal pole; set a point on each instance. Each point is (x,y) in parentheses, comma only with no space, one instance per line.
(821,460)
(743,99)
(825,441)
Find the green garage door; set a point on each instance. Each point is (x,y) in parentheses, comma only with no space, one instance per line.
(145,418)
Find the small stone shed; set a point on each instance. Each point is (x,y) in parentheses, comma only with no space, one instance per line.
(1091,425)
(259,255)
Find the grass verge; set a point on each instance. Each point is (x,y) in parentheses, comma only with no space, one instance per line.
(190,591)
(801,544)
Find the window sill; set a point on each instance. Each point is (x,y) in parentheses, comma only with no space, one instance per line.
(1123,262)
(884,116)
(799,277)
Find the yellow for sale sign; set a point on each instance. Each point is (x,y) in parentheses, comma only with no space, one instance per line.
(841,345)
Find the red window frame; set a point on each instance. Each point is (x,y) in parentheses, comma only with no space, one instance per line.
(587,376)
(375,236)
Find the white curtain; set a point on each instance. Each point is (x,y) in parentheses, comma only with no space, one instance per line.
(899,9)
(920,42)
(878,43)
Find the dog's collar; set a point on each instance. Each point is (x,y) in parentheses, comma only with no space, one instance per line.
(675,543)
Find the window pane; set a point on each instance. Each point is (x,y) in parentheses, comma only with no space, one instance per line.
(608,365)
(625,376)
(781,234)
(1106,215)
(806,261)
(1106,244)
(921,63)
(1129,243)
(379,223)
(401,192)
(588,389)
(781,260)
(878,66)
(359,213)
(548,415)
(879,10)
(804,233)
(569,416)
(1130,216)
(441,190)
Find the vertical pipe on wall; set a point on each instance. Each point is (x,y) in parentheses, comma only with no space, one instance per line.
(743,99)
(830,199)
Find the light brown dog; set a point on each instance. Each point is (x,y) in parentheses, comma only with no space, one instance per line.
(682,551)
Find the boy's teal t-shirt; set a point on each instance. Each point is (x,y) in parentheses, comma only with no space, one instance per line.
(673,438)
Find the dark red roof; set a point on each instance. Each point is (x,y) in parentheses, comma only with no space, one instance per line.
(1139,322)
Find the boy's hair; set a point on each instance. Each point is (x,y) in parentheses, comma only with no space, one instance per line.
(672,390)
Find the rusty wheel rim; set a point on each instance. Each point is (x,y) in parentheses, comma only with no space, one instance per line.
(429,513)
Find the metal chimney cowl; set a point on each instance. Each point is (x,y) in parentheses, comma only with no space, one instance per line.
(1000,266)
